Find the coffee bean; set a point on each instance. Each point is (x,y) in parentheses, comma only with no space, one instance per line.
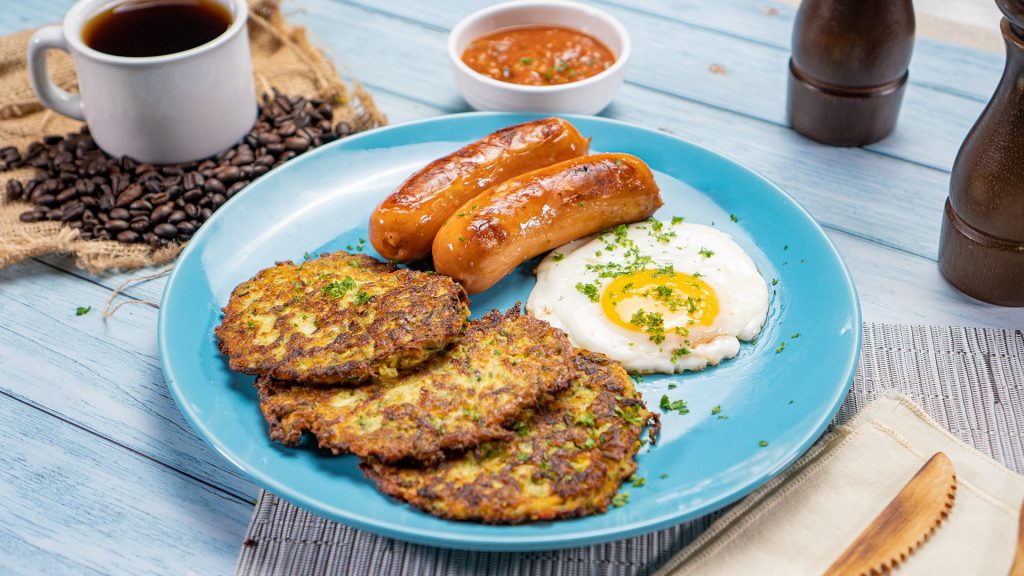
(122,198)
(176,216)
(139,224)
(166,230)
(235,189)
(297,143)
(192,195)
(72,211)
(130,194)
(115,226)
(228,174)
(128,237)
(106,202)
(143,205)
(67,194)
(161,213)
(14,190)
(213,186)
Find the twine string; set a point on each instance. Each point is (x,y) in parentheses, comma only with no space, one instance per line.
(109,309)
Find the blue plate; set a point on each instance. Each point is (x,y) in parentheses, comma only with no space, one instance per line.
(777,401)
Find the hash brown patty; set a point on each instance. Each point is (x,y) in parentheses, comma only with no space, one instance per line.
(567,458)
(501,366)
(339,318)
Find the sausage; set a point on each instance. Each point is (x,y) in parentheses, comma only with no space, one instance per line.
(541,210)
(403,226)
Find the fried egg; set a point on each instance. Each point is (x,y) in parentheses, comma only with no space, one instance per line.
(659,296)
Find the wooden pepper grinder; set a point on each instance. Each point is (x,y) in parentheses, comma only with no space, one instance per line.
(849,69)
(981,247)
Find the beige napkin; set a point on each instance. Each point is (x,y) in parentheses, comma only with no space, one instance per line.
(802,520)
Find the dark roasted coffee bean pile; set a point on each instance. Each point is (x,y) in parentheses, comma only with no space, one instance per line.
(120,199)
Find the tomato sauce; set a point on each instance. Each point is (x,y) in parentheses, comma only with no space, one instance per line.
(538,55)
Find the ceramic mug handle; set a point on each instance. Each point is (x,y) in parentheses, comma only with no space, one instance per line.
(58,100)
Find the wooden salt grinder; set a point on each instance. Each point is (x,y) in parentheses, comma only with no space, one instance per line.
(981,247)
(849,69)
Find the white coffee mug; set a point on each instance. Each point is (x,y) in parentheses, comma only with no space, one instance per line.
(163,109)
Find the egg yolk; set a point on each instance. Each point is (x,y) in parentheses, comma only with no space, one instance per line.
(681,299)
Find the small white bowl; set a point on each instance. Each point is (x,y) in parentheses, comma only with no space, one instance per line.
(587,96)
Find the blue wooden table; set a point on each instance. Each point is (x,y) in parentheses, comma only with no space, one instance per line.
(101,474)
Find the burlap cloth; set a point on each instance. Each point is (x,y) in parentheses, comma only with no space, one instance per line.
(282,57)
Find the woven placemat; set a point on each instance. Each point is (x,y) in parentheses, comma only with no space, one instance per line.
(282,57)
(970,380)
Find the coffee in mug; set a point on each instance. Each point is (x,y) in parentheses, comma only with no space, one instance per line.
(141,29)
(162,81)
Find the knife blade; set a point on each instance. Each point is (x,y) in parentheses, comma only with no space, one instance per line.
(903,526)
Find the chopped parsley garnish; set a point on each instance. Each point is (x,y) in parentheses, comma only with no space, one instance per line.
(652,323)
(462,239)
(526,60)
(338,289)
(82,310)
(674,405)
(557,256)
(734,218)
(679,353)
(762,443)
(677,220)
(637,481)
(706,253)
(520,428)
(585,419)
(307,256)
(786,247)
(589,443)
(795,336)
(775,281)
(666,270)
(629,414)
(471,413)
(362,298)
(620,499)
(250,325)
(663,476)
(672,386)
(588,290)
(716,410)
(780,347)
(523,456)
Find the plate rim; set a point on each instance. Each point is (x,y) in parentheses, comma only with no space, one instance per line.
(487,542)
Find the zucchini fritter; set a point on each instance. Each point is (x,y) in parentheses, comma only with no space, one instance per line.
(502,365)
(567,459)
(339,318)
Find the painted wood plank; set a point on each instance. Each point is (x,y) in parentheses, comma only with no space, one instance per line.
(849,189)
(936,64)
(676,57)
(901,288)
(76,504)
(103,376)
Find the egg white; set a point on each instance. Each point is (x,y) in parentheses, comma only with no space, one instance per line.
(716,259)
